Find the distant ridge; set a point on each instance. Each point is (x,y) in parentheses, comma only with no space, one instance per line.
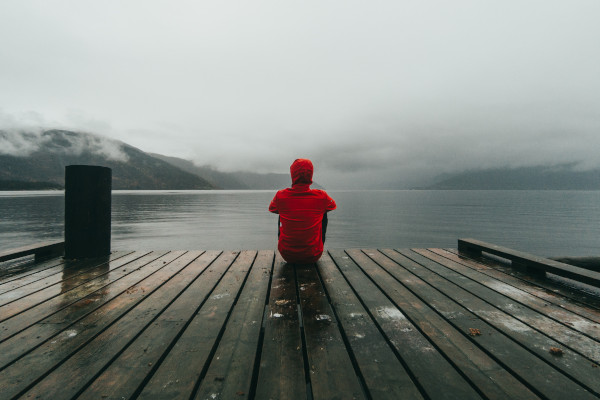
(233,180)
(562,177)
(39,159)
(24,185)
(221,180)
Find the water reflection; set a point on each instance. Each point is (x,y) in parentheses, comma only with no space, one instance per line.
(82,277)
(29,217)
(549,223)
(194,220)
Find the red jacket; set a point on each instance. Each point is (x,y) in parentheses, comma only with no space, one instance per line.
(301,211)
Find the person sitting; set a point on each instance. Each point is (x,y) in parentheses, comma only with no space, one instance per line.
(302,216)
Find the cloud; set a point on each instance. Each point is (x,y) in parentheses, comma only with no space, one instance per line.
(20,135)
(392,91)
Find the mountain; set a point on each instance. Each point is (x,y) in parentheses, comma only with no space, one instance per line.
(219,179)
(562,177)
(24,185)
(233,180)
(39,159)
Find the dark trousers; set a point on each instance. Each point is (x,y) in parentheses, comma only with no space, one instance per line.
(323,227)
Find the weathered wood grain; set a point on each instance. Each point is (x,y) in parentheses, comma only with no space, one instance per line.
(548,308)
(547,290)
(438,378)
(36,308)
(332,373)
(17,278)
(358,324)
(74,275)
(489,377)
(43,249)
(199,312)
(99,333)
(473,246)
(565,335)
(502,335)
(281,374)
(232,367)
(45,328)
(384,376)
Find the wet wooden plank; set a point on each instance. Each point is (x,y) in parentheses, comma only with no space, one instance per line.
(55,322)
(437,377)
(563,334)
(43,249)
(32,278)
(383,375)
(282,370)
(97,355)
(531,261)
(174,379)
(106,329)
(354,327)
(234,364)
(490,378)
(576,301)
(29,271)
(74,275)
(30,309)
(332,373)
(173,328)
(559,314)
(25,265)
(502,336)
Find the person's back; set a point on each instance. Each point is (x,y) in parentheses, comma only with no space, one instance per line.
(301,211)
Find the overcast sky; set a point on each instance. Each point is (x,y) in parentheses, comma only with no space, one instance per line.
(370,90)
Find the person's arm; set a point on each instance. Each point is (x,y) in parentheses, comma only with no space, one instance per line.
(273,206)
(330,205)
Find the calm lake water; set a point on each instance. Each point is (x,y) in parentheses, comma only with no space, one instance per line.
(547,223)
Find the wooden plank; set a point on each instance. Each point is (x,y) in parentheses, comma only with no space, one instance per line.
(491,379)
(282,371)
(42,310)
(566,317)
(531,261)
(565,335)
(19,270)
(92,359)
(383,375)
(233,365)
(521,350)
(174,379)
(438,378)
(27,279)
(43,249)
(73,274)
(55,322)
(116,321)
(332,373)
(574,295)
(546,294)
(196,316)
(60,293)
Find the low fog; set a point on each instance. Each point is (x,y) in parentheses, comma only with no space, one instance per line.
(24,142)
(375,93)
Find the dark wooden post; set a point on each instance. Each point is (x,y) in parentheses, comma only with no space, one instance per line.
(464,246)
(87,211)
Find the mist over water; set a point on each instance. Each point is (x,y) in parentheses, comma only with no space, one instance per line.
(546,223)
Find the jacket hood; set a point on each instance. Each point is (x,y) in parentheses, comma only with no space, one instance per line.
(301,171)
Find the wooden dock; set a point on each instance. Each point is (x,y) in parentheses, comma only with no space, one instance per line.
(360,324)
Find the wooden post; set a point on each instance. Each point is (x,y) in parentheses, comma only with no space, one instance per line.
(465,247)
(87,211)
